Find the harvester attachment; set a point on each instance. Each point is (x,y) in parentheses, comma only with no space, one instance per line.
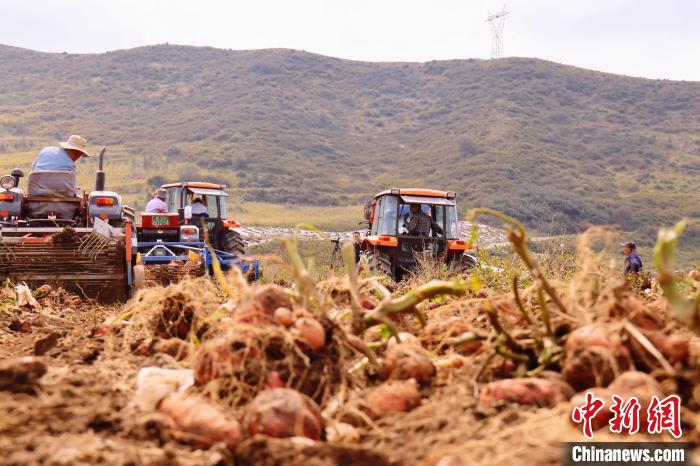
(77,259)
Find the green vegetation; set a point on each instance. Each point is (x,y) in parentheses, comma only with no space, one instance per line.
(275,259)
(327,218)
(557,147)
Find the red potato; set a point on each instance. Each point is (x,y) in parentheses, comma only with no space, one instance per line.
(405,361)
(283,316)
(22,326)
(674,347)
(527,391)
(394,396)
(594,355)
(199,417)
(311,332)
(20,374)
(283,412)
(102,331)
(179,349)
(213,359)
(261,306)
(274,380)
(694,352)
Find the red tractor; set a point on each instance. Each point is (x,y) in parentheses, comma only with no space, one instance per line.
(392,249)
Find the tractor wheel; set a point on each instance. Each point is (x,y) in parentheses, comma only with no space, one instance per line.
(378,261)
(463,263)
(232,243)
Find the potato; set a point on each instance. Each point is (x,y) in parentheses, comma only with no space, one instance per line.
(21,374)
(674,347)
(261,306)
(405,361)
(283,316)
(311,332)
(199,417)
(283,412)
(394,396)
(594,355)
(527,391)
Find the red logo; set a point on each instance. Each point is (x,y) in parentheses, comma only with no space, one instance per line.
(665,415)
(587,412)
(662,415)
(625,415)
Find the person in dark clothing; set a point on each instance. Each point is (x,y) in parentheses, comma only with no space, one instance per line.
(357,242)
(633,263)
(419,223)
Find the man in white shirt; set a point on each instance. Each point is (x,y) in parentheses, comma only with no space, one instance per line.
(157,205)
(198,207)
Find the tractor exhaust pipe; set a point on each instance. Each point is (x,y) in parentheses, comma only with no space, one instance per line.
(100,177)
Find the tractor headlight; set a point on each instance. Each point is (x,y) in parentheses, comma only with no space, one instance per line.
(7,182)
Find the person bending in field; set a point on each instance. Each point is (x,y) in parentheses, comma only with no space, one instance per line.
(633,263)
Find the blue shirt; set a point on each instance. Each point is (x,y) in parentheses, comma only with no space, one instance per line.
(633,263)
(53,158)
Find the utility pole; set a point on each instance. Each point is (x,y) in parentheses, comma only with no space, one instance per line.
(497,21)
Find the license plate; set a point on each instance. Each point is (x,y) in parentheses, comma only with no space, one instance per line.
(160,221)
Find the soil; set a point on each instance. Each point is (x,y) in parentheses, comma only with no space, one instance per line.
(82,411)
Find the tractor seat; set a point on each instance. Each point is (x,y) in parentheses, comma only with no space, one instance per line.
(55,183)
(52,193)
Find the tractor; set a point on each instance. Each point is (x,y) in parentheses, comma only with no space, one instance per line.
(52,232)
(88,243)
(391,249)
(172,245)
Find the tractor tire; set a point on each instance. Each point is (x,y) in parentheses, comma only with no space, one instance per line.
(232,243)
(378,261)
(463,263)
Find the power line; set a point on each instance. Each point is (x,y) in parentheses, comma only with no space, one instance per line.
(497,21)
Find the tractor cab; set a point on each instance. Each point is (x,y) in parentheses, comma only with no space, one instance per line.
(195,202)
(404,223)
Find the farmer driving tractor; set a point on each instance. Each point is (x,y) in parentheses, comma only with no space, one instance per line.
(62,157)
(420,223)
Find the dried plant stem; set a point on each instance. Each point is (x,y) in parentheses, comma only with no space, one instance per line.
(647,345)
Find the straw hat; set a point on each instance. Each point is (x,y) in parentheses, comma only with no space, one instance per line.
(76,142)
(162,193)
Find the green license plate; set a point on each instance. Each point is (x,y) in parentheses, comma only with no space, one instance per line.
(160,221)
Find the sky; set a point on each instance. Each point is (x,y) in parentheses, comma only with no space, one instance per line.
(644,38)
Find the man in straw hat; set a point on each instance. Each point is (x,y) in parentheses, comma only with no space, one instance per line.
(157,205)
(62,157)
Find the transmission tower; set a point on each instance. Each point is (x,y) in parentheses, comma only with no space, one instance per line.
(497,21)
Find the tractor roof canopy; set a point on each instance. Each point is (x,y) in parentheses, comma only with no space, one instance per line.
(431,193)
(195,184)
(207,191)
(427,200)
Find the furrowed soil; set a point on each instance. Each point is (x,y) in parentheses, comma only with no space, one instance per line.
(82,411)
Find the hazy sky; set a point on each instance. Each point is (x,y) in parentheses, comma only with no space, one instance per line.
(650,38)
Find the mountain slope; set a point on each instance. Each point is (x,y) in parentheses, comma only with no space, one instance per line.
(556,146)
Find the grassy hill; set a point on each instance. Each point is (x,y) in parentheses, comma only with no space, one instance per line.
(556,146)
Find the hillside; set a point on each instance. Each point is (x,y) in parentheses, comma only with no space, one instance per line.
(556,146)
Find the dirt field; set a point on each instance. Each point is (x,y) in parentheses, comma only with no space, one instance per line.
(85,409)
